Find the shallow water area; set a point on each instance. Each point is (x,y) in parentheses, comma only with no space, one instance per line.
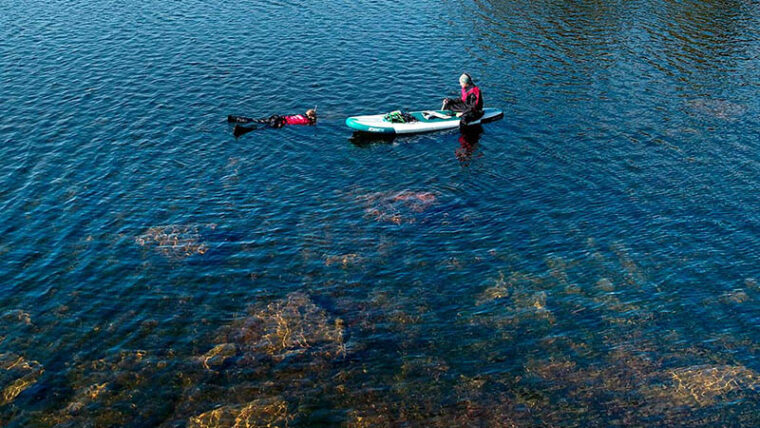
(591,259)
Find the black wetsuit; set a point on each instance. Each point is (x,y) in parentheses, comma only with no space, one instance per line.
(470,105)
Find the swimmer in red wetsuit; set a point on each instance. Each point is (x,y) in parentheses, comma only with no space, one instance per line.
(308,118)
(274,121)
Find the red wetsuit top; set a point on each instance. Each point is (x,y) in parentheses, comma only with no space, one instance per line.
(472,98)
(298,119)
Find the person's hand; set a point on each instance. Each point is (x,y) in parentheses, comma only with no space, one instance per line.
(460,114)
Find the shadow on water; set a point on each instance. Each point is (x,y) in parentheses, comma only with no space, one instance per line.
(366,139)
(470,135)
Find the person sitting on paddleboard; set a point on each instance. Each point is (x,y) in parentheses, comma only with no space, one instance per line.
(274,121)
(470,106)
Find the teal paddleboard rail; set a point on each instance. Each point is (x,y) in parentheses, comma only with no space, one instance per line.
(427,121)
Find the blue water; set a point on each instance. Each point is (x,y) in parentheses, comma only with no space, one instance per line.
(590,259)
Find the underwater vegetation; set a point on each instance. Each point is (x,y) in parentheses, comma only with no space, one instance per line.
(590,339)
(17,374)
(717,108)
(572,341)
(281,330)
(258,413)
(397,207)
(176,241)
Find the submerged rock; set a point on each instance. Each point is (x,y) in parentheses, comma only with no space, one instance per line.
(604,284)
(344,261)
(218,355)
(735,297)
(85,396)
(287,327)
(17,316)
(513,301)
(704,385)
(259,413)
(16,375)
(721,109)
(397,207)
(176,241)
(119,389)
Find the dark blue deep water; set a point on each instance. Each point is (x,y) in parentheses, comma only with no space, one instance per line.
(589,260)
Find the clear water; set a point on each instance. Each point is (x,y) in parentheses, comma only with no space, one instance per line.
(591,259)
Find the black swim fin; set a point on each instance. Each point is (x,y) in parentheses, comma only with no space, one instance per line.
(240,130)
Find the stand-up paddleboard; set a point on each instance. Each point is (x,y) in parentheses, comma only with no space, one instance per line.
(426,121)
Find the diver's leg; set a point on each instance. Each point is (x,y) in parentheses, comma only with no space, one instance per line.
(454,105)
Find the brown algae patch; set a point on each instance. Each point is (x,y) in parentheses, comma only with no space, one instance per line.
(396,207)
(499,290)
(287,327)
(423,397)
(389,312)
(721,109)
(281,350)
(271,412)
(700,386)
(737,296)
(176,241)
(633,388)
(86,395)
(558,269)
(343,261)
(16,375)
(634,275)
(106,390)
(512,301)
(281,362)
(17,316)
(218,355)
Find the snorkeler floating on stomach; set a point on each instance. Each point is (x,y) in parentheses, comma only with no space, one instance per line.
(273,121)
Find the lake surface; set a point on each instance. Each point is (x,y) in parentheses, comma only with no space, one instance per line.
(589,260)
